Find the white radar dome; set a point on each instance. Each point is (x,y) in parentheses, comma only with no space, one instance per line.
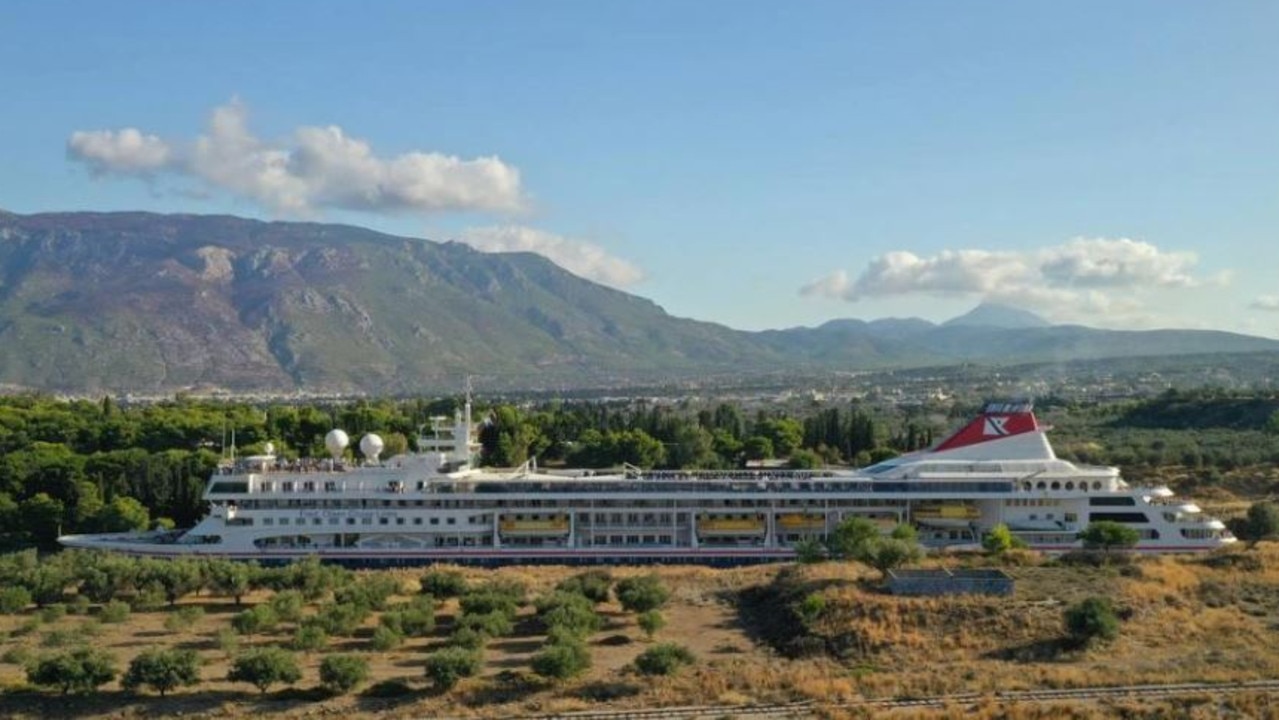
(336,441)
(268,449)
(371,445)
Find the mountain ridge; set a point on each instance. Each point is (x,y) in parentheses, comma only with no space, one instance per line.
(144,302)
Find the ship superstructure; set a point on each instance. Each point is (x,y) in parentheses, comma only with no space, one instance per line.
(436,505)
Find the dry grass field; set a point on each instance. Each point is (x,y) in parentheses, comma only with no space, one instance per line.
(1184,619)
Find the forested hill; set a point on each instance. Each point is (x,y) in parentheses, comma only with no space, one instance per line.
(97,303)
(1203,409)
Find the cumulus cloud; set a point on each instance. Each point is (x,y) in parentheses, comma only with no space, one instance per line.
(579,257)
(313,169)
(1078,269)
(1269,303)
(125,151)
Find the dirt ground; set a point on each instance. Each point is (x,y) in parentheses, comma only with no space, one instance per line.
(1185,618)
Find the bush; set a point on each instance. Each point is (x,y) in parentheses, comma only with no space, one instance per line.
(650,622)
(287,605)
(53,612)
(385,638)
(483,602)
(494,624)
(79,670)
(339,619)
(309,638)
(257,619)
(467,638)
(1092,619)
(163,670)
(79,605)
(1000,540)
(594,585)
(340,674)
(14,599)
(114,612)
(228,642)
(663,659)
(562,660)
(448,666)
(183,619)
(443,583)
(149,597)
(642,593)
(416,620)
(265,667)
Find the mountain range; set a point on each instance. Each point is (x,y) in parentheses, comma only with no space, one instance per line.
(145,303)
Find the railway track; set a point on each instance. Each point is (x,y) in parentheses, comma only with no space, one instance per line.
(810,709)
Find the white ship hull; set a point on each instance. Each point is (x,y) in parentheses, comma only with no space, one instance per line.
(432,507)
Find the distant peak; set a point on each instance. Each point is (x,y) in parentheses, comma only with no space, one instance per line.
(990,314)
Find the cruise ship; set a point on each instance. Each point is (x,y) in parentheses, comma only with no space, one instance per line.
(436,505)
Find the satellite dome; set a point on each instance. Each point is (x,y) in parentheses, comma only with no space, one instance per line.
(336,441)
(268,448)
(371,445)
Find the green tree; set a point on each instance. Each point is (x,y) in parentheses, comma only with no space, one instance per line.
(446,667)
(80,670)
(231,578)
(385,638)
(758,447)
(309,638)
(340,674)
(1000,540)
(1261,523)
(122,514)
(1092,619)
(257,619)
(162,670)
(1107,536)
(664,659)
(264,667)
(642,593)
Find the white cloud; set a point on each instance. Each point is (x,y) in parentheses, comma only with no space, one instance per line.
(579,257)
(1076,279)
(1269,303)
(317,168)
(125,151)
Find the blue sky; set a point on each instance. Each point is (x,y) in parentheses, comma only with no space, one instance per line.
(759,164)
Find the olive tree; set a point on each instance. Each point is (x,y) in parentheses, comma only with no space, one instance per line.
(162,670)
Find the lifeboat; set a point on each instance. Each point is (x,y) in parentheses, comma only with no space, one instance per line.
(708,524)
(801,522)
(946,515)
(553,525)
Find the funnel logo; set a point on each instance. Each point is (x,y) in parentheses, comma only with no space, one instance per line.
(994,427)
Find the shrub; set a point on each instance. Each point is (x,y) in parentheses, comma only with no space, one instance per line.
(149,597)
(163,670)
(1092,619)
(467,638)
(17,655)
(562,660)
(494,624)
(483,602)
(594,585)
(53,612)
(265,667)
(1000,540)
(341,674)
(287,605)
(14,599)
(257,619)
(663,659)
(810,609)
(183,619)
(413,620)
(650,621)
(79,605)
(309,638)
(228,642)
(443,583)
(642,593)
(339,619)
(115,611)
(79,670)
(385,638)
(448,666)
